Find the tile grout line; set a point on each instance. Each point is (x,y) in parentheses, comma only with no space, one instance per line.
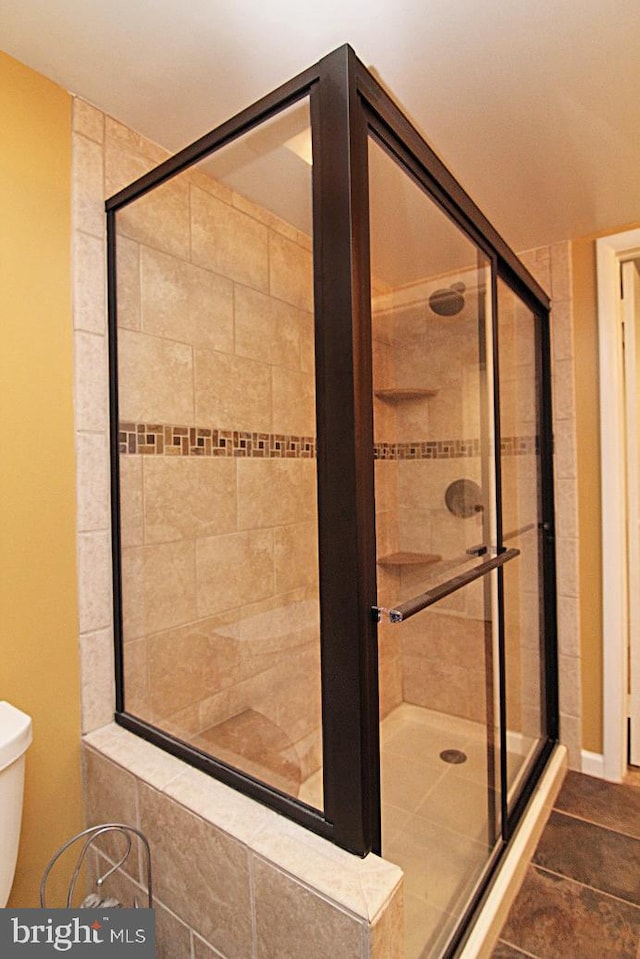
(512,945)
(590,822)
(602,892)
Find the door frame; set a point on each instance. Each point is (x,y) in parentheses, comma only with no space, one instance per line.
(610,252)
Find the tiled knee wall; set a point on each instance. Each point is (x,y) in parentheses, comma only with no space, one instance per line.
(252,886)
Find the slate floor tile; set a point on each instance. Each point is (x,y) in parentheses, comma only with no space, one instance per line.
(592,855)
(558,918)
(613,805)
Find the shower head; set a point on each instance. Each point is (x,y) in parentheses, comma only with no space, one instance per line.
(449,301)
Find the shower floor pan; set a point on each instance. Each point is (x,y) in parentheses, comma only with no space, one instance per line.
(434,823)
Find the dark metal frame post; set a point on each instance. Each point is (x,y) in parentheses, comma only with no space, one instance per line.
(345,457)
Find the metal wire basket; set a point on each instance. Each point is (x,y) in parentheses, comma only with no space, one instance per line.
(90,835)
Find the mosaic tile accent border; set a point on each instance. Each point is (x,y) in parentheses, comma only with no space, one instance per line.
(152,439)
(452,449)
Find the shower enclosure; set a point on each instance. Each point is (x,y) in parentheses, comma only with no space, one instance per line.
(332,486)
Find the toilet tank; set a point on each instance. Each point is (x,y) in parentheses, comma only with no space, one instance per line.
(15,739)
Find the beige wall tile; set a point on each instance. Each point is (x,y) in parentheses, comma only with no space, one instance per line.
(185,303)
(386,481)
(275,492)
(296,556)
(561,271)
(570,685)
(292,923)
(89,288)
(567,566)
(156,767)
(182,668)
(217,905)
(160,218)
(294,402)
(173,938)
(414,530)
(98,686)
(386,533)
(307,342)
(237,815)
(569,625)
(158,586)
(422,482)
(232,392)
(201,950)
(563,390)
(386,936)
(118,133)
(571,737)
(87,172)
(119,885)
(188,497)
(125,136)
(408,323)
(207,183)
(155,379)
(268,329)
(562,330)
(88,120)
(234,570)
(94,581)
(566,462)
(264,215)
(128,267)
(131,502)
(136,678)
(93,481)
(227,241)
(110,796)
(91,382)
(566,508)
(122,165)
(444,686)
(290,272)
(538,262)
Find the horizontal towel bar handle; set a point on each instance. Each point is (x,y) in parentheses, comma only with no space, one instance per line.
(418,603)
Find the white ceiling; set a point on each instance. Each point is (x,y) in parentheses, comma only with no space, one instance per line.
(533,104)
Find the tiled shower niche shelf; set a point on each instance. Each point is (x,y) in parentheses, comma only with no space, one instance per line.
(404,393)
(409,559)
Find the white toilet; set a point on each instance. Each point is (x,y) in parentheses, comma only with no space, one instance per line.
(15,739)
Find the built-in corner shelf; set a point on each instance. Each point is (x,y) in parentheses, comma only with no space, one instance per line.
(408,393)
(409,559)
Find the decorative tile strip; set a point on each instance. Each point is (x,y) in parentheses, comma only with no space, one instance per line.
(452,449)
(152,439)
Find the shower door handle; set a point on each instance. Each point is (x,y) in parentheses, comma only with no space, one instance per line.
(418,603)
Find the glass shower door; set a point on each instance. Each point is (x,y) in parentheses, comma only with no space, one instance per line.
(438,558)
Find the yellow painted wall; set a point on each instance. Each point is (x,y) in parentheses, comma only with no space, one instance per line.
(590,514)
(38,600)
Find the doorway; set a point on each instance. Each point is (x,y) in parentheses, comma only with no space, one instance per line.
(618,308)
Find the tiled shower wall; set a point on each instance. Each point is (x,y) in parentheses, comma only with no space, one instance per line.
(217,419)
(441,659)
(425,444)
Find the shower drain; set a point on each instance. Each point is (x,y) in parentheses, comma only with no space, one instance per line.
(455,756)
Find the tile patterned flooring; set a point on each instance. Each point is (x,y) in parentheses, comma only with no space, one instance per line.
(581,895)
